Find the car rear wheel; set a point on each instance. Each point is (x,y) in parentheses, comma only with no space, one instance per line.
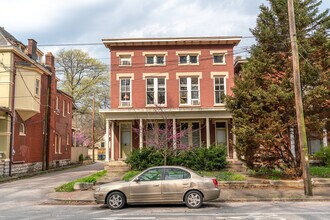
(116,200)
(194,199)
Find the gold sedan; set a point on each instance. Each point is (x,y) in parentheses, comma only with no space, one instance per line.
(156,185)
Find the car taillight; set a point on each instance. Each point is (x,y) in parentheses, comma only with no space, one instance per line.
(215,182)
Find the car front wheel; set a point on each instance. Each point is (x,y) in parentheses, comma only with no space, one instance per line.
(194,199)
(116,200)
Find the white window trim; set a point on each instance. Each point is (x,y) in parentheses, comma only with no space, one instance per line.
(156,123)
(57,110)
(150,75)
(219,52)
(120,125)
(188,60)
(190,131)
(189,92)
(227,133)
(130,88)
(68,107)
(63,107)
(154,60)
(68,139)
(23,133)
(225,90)
(156,93)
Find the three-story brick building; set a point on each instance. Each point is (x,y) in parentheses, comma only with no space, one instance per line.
(183,80)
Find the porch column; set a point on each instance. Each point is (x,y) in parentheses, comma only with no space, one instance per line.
(208,140)
(141,134)
(107,140)
(174,133)
(234,143)
(325,137)
(112,140)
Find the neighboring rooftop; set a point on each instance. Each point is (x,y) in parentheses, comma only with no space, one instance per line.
(171,41)
(7,39)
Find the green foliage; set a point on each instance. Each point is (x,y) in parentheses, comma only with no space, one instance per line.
(130,174)
(269,174)
(81,157)
(323,155)
(263,103)
(224,175)
(200,158)
(68,187)
(320,172)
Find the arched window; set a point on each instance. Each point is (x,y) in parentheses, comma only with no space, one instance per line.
(22,129)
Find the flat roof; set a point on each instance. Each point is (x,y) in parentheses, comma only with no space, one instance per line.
(171,41)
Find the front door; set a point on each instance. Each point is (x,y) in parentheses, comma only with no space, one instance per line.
(125,140)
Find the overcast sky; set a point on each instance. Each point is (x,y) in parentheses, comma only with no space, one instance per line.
(88,21)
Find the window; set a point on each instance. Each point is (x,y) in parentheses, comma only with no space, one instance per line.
(218,58)
(56,103)
(188,59)
(58,142)
(64,104)
(156,91)
(37,91)
(221,133)
(190,134)
(125,60)
(125,92)
(22,129)
(156,134)
(68,139)
(68,108)
(219,90)
(151,175)
(189,91)
(176,174)
(155,59)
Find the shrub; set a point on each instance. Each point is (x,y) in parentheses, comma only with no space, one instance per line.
(81,157)
(200,158)
(323,155)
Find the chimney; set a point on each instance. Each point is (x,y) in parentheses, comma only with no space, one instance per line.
(32,49)
(50,61)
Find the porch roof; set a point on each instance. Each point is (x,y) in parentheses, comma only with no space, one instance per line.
(166,113)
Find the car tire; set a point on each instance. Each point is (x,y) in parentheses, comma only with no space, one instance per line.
(116,200)
(193,199)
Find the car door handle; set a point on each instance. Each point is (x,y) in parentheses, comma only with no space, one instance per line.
(156,185)
(185,184)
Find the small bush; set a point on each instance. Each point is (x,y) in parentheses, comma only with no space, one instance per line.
(200,158)
(323,155)
(81,158)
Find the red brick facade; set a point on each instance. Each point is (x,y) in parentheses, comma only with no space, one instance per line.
(188,68)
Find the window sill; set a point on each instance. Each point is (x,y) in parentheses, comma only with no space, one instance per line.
(154,64)
(188,64)
(219,64)
(188,105)
(153,106)
(219,105)
(124,65)
(22,134)
(125,107)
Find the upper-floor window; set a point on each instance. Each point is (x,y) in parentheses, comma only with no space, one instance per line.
(22,129)
(125,60)
(37,88)
(156,91)
(219,90)
(125,92)
(155,60)
(68,108)
(188,59)
(189,91)
(64,104)
(219,57)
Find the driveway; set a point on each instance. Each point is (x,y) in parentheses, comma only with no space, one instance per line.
(33,190)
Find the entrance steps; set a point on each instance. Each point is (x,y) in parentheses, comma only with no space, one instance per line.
(236,166)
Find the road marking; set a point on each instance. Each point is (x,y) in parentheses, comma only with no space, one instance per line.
(126,218)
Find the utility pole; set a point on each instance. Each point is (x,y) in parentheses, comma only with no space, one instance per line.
(298,100)
(93,121)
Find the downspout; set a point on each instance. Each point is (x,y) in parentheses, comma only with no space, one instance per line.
(46,128)
(12,121)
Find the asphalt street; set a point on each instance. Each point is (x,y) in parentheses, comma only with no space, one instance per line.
(27,199)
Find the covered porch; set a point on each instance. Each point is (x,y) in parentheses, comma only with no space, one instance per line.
(128,129)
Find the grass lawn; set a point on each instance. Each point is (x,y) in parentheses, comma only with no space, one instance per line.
(68,187)
(320,172)
(220,175)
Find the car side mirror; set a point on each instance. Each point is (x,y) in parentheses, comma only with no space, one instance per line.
(138,179)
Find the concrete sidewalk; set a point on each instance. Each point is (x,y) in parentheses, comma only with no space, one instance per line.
(227,195)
